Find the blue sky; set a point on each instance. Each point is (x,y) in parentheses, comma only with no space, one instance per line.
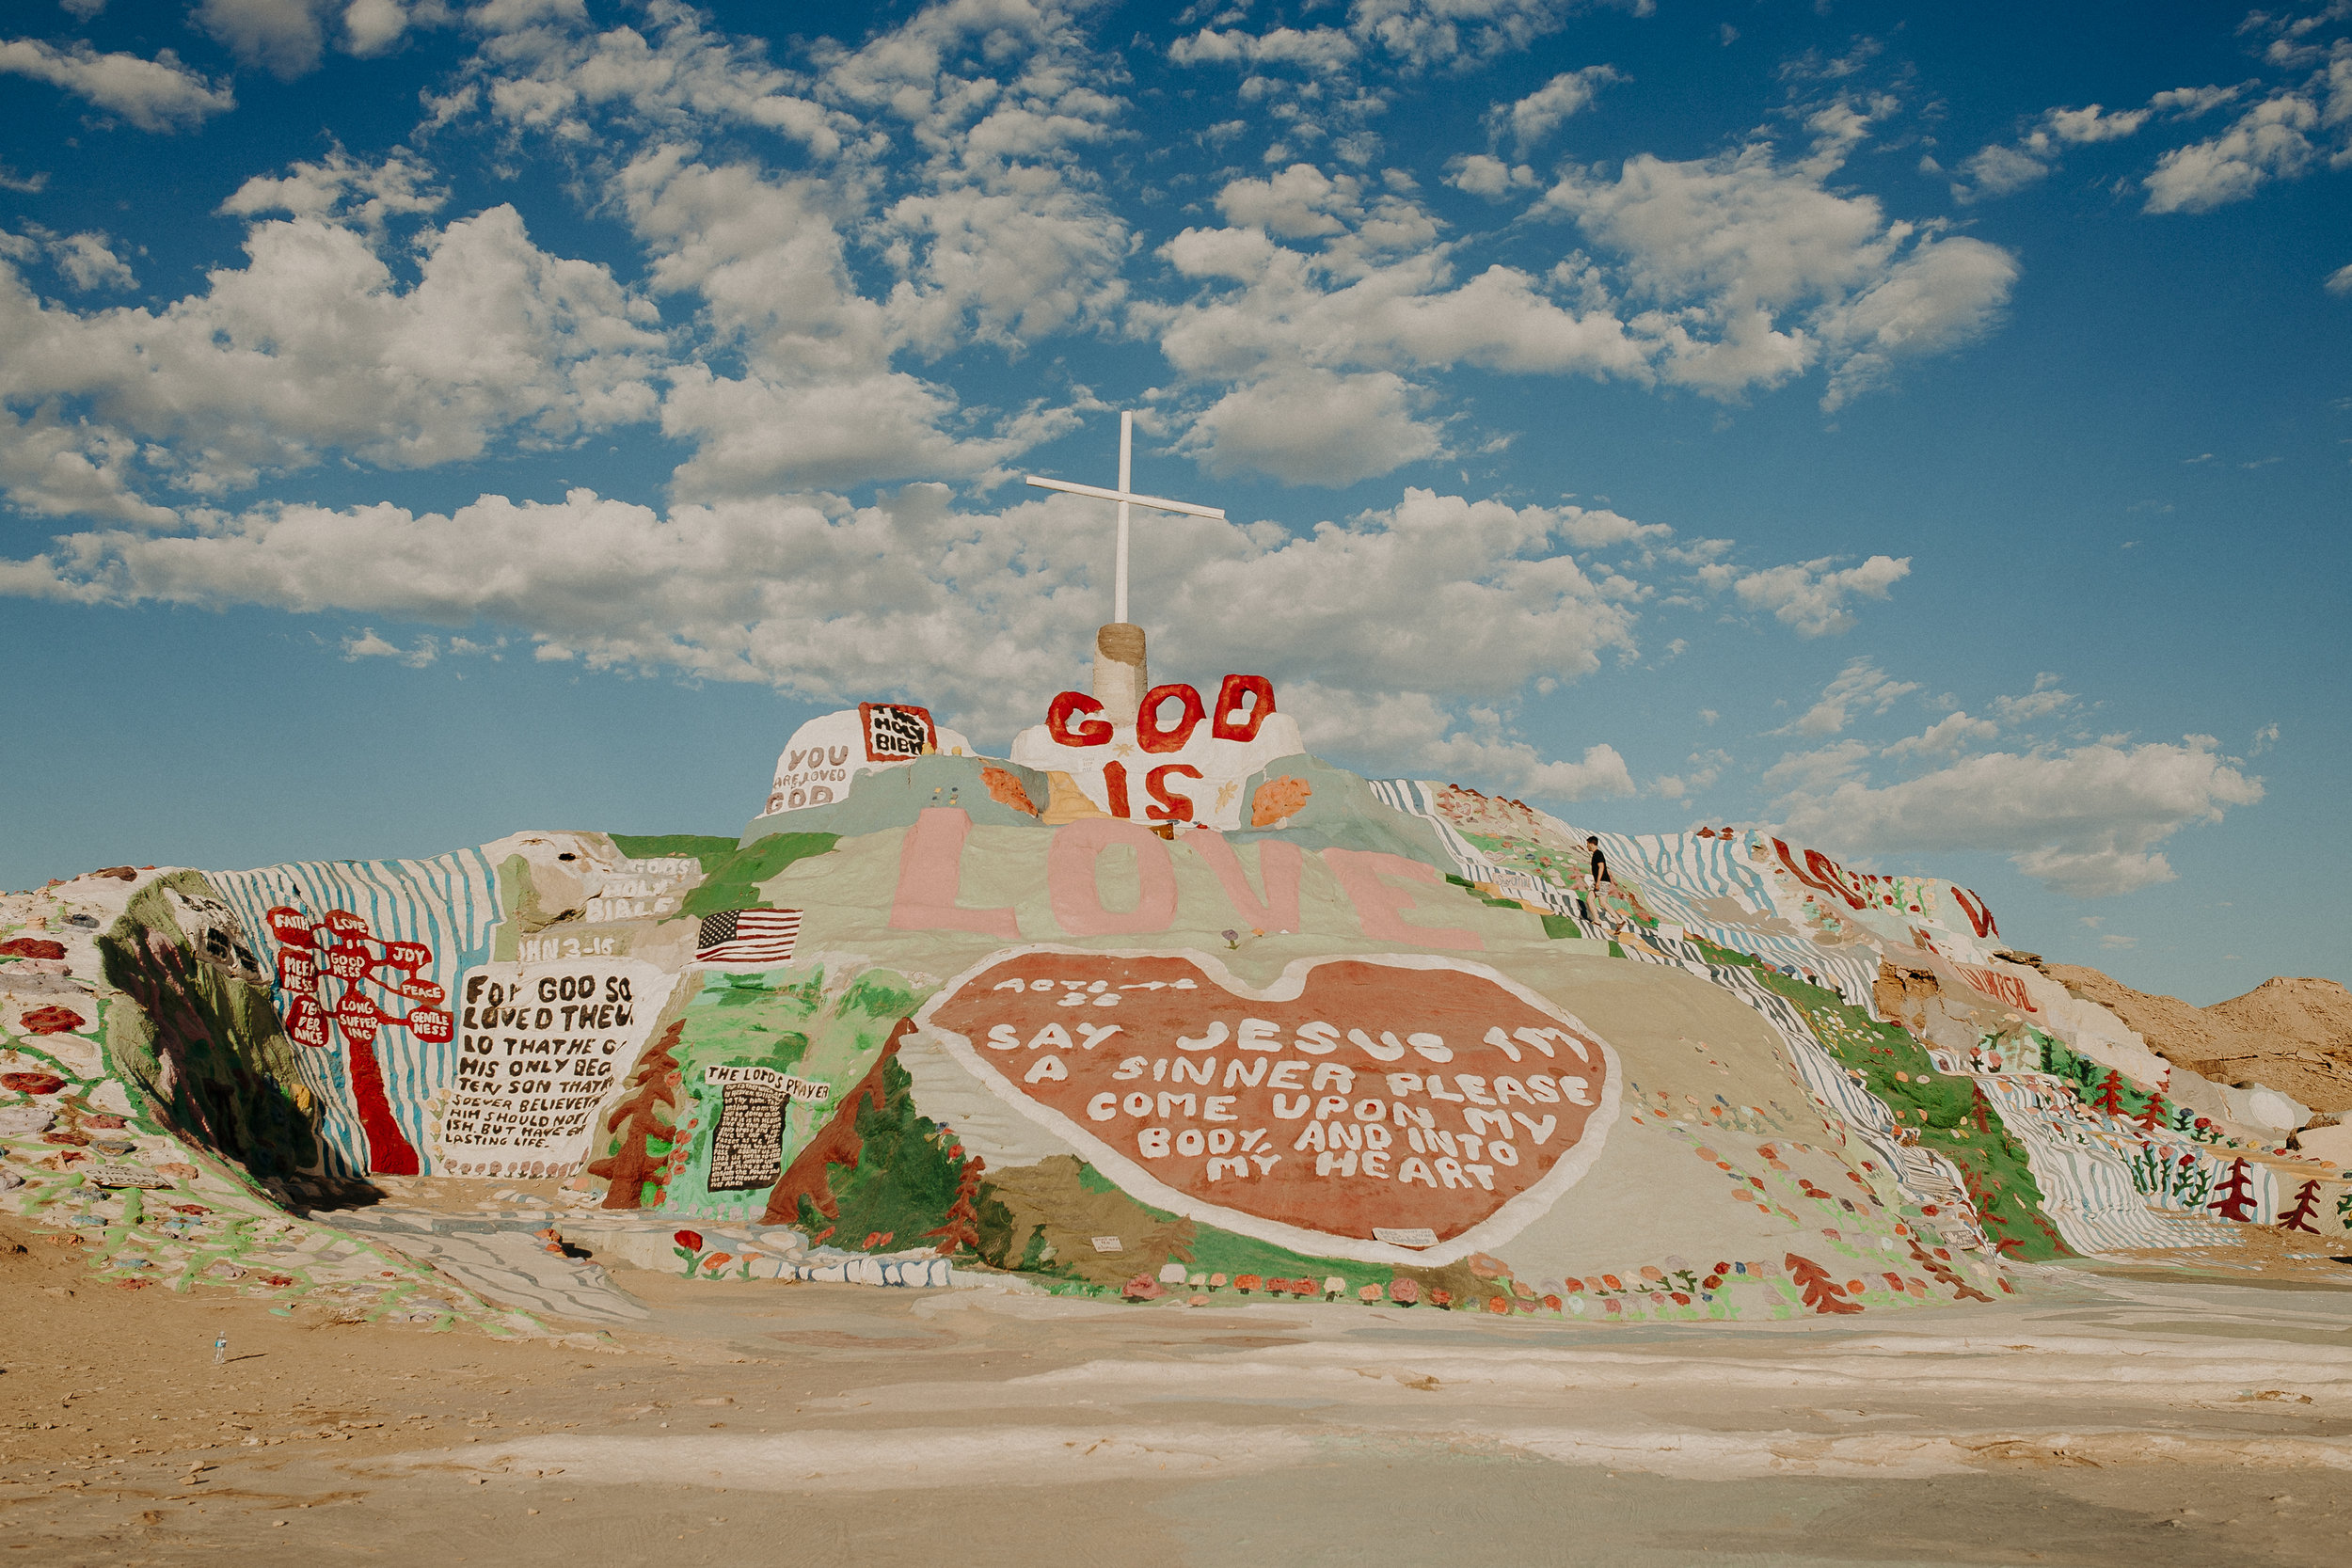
(1926,428)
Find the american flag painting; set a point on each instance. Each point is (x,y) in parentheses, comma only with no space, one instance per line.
(747,936)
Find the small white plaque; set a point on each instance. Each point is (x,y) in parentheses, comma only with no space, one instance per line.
(1403,1238)
(1110,1244)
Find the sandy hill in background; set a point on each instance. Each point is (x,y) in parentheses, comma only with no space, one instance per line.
(2294,1035)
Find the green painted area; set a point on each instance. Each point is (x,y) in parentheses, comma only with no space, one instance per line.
(908,1175)
(711,850)
(1217,1251)
(203,1045)
(1342,812)
(732,882)
(1951,1115)
(796,1020)
(893,797)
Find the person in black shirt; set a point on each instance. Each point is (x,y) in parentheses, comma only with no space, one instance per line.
(1594,909)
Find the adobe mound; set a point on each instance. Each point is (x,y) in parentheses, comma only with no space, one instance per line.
(960,1020)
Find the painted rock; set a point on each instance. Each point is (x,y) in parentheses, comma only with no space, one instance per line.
(31,947)
(16,1121)
(53,1020)
(126,1175)
(1395,1108)
(32,1083)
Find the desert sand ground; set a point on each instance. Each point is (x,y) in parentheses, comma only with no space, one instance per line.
(2146,1415)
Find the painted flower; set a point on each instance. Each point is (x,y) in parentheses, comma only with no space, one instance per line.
(1217,1282)
(1369,1295)
(1246,1283)
(1404,1292)
(691,1240)
(717,1260)
(1441,1297)
(1499,1305)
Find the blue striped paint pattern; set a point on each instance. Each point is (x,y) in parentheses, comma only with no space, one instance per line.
(1669,870)
(448,903)
(1416,797)
(2087,1187)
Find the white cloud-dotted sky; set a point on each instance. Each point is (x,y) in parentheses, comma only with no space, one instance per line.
(1812,420)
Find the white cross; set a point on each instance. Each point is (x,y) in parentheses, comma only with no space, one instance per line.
(1125,498)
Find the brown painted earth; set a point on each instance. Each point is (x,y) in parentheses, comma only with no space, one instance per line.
(2292,1035)
(2154,1414)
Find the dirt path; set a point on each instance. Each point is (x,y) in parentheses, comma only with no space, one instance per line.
(2124,1419)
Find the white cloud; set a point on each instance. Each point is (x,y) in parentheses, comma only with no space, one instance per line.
(1954,732)
(1402,613)
(373,26)
(546,73)
(88,262)
(2086,820)
(1861,686)
(1324,50)
(1414,34)
(1821,770)
(1303,342)
(1757,271)
(2340,280)
(2117,942)
(368,645)
(342,187)
(1541,112)
(2189,102)
(819,402)
(315,348)
(1301,202)
(1998,170)
(1311,426)
(1945,292)
(1491,178)
(283,36)
(2269,141)
(953,143)
(1412,733)
(1421,33)
(160,94)
(2095,124)
(1809,596)
(2001,169)
(2043,701)
(1343,308)
(1704,770)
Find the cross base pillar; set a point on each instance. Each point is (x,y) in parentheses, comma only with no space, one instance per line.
(1120,676)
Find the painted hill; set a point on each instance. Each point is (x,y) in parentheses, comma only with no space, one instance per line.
(1174,1013)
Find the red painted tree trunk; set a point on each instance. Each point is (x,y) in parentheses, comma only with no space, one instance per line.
(390,1153)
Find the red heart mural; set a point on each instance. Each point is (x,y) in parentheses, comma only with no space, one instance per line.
(1397,1108)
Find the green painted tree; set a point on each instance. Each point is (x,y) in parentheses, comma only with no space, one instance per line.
(906,1179)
